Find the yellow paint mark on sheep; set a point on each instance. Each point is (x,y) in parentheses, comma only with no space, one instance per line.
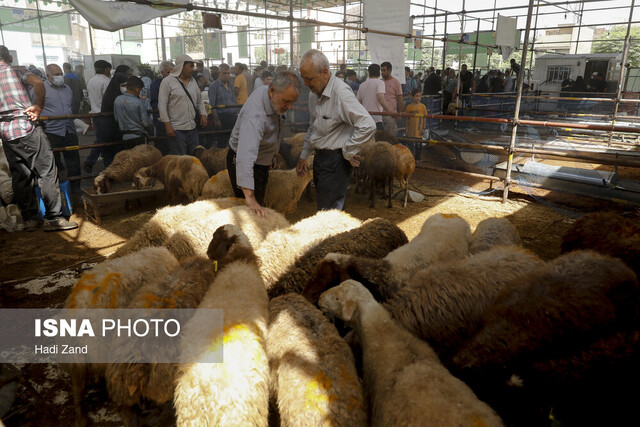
(196,161)
(213,179)
(152,300)
(233,333)
(450,216)
(477,421)
(317,392)
(103,285)
(81,285)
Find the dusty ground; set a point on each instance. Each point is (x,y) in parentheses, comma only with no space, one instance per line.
(39,269)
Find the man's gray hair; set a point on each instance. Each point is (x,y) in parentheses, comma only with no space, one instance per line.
(283,80)
(166,65)
(317,58)
(5,56)
(224,66)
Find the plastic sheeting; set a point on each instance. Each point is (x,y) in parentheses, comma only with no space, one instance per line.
(115,15)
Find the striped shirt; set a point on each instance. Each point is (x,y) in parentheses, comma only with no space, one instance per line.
(14,99)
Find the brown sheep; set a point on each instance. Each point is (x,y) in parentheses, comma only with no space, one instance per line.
(124,166)
(607,233)
(183,177)
(290,149)
(404,169)
(378,162)
(214,159)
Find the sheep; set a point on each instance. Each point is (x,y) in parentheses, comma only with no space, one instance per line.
(6,186)
(375,238)
(404,377)
(284,188)
(166,221)
(378,162)
(385,135)
(405,166)
(313,376)
(214,159)
(111,284)
(607,233)
(442,237)
(128,383)
(183,177)
(290,149)
(493,232)
(282,248)
(279,163)
(444,304)
(234,392)
(193,237)
(125,165)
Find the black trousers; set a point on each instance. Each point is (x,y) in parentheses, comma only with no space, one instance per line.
(71,158)
(227,122)
(162,143)
(31,162)
(331,174)
(260,178)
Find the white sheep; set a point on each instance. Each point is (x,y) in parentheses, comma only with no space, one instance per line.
(236,391)
(218,186)
(404,377)
(442,237)
(183,177)
(193,237)
(124,166)
(493,232)
(166,221)
(313,376)
(282,248)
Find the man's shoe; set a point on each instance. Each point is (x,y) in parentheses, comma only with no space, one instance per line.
(31,225)
(59,224)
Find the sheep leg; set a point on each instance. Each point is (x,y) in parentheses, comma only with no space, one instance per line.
(390,191)
(406,193)
(78,387)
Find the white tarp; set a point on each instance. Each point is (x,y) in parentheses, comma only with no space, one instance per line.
(392,17)
(114,15)
(506,31)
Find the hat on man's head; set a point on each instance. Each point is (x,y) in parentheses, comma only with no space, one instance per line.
(180,60)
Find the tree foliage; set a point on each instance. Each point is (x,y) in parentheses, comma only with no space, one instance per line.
(191,28)
(612,41)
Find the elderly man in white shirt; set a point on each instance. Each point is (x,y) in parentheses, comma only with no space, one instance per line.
(339,127)
(96,86)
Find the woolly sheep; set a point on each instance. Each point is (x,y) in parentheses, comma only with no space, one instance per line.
(184,287)
(407,383)
(168,220)
(405,166)
(607,233)
(218,186)
(375,238)
(112,284)
(214,159)
(183,177)
(378,162)
(282,248)
(290,149)
(313,376)
(236,391)
(193,237)
(125,165)
(442,237)
(443,304)
(493,232)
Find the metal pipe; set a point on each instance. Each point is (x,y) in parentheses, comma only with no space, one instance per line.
(475,54)
(474,175)
(291,34)
(44,54)
(444,61)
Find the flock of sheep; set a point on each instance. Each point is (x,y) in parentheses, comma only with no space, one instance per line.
(336,321)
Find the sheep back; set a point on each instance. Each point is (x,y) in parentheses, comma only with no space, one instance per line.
(405,166)
(213,159)
(313,377)
(183,177)
(218,186)
(284,189)
(124,166)
(166,221)
(375,238)
(492,232)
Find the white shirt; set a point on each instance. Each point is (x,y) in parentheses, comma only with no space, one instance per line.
(368,96)
(338,121)
(95,88)
(174,105)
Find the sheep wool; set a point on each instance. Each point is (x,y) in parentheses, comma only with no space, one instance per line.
(313,376)
(375,238)
(406,382)
(492,232)
(124,166)
(218,186)
(282,248)
(183,177)
(167,221)
(213,159)
(405,166)
(236,391)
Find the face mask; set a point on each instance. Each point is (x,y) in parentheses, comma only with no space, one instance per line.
(123,89)
(58,80)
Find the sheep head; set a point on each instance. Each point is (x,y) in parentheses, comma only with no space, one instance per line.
(228,244)
(343,301)
(141,180)
(102,184)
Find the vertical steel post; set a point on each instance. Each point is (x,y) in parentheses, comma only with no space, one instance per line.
(44,54)
(164,43)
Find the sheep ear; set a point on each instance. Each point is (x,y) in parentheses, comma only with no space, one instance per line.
(348,309)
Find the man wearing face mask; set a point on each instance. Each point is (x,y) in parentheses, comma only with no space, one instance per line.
(58,101)
(255,139)
(131,114)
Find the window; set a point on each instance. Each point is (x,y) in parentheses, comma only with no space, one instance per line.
(558,73)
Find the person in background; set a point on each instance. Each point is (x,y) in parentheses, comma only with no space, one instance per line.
(393,96)
(74,83)
(161,142)
(124,69)
(342,68)
(352,81)
(339,127)
(342,76)
(26,147)
(485,82)
(433,83)
(495,84)
(205,72)
(254,145)
(240,88)
(96,87)
(179,111)
(515,67)
(106,126)
(58,101)
(131,114)
(509,82)
(249,78)
(264,79)
(416,125)
(215,73)
(221,93)
(409,84)
(79,71)
(371,95)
